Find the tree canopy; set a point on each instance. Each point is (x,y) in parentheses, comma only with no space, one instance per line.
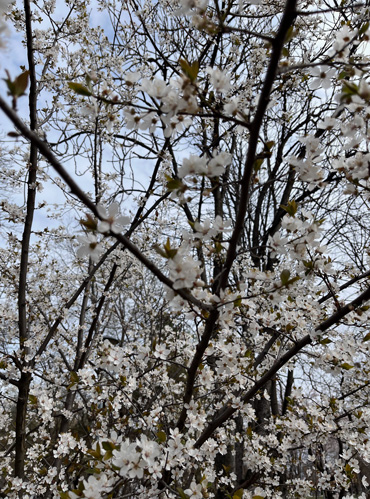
(185,249)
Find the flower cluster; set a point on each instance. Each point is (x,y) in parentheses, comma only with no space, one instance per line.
(176,97)
(304,235)
(133,458)
(308,168)
(110,220)
(184,270)
(205,232)
(195,165)
(4,5)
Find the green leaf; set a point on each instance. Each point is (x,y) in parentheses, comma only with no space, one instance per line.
(108,455)
(108,446)
(284,277)
(364,28)
(291,208)
(182,493)
(175,184)
(32,399)
(238,302)
(18,86)
(342,75)
(325,341)
(191,70)
(218,247)
(349,88)
(238,494)
(79,88)
(168,251)
(310,266)
(95,452)
(159,250)
(249,432)
(367,337)
(20,83)
(346,366)
(258,497)
(293,280)
(78,493)
(162,437)
(289,34)
(348,469)
(257,164)
(90,223)
(92,471)
(64,495)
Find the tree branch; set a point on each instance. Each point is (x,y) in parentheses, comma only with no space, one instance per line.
(82,196)
(228,411)
(286,22)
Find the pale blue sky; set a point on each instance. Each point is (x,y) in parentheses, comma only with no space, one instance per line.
(12,57)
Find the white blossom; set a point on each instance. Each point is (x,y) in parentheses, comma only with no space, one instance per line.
(90,247)
(323,76)
(219,80)
(111,220)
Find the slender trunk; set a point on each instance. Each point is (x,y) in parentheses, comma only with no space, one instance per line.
(20,444)
(25,379)
(288,391)
(273,397)
(239,450)
(71,395)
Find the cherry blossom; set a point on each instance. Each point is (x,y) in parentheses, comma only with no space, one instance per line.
(126,458)
(232,107)
(193,165)
(221,346)
(94,487)
(219,80)
(184,270)
(195,491)
(150,450)
(220,225)
(4,5)
(132,119)
(149,121)
(323,77)
(218,164)
(90,247)
(132,78)
(187,6)
(155,88)
(110,219)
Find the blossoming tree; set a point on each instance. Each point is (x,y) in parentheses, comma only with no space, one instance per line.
(185,315)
